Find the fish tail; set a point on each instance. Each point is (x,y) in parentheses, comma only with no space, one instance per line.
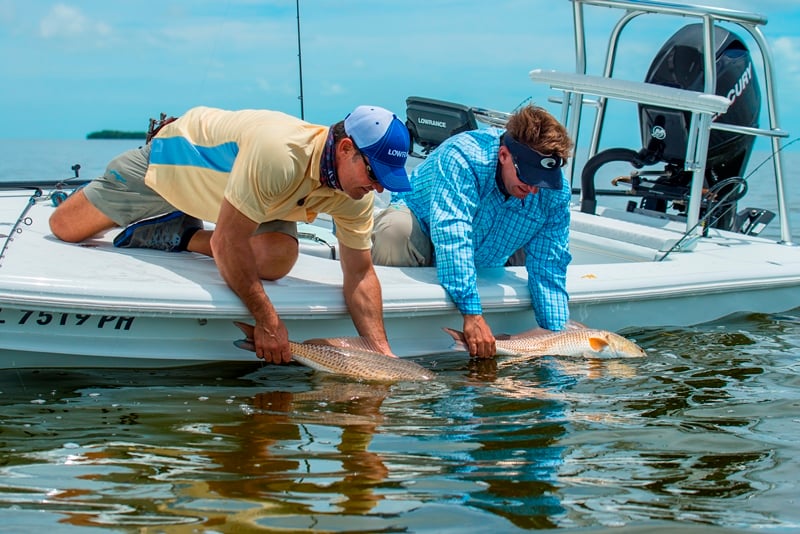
(248,343)
(460,342)
(246,329)
(245,344)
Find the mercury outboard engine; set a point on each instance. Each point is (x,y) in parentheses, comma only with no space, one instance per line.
(664,131)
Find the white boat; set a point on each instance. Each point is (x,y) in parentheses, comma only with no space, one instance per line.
(640,264)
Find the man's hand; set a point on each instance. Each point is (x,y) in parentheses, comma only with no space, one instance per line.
(272,342)
(478,336)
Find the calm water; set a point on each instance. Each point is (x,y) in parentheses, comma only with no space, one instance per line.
(703,433)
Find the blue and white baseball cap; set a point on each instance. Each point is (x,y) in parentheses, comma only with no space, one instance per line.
(384,139)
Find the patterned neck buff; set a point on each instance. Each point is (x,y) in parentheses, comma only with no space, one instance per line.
(327,164)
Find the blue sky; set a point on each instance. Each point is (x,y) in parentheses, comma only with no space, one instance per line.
(72,67)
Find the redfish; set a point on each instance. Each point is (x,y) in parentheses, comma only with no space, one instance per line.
(574,341)
(346,356)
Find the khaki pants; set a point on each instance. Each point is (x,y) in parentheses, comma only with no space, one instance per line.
(398,240)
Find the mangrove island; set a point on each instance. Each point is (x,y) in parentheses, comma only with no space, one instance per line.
(116,134)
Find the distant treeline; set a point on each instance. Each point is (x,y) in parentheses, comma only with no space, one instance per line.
(116,134)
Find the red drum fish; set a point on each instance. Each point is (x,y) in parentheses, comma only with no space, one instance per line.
(574,341)
(347,356)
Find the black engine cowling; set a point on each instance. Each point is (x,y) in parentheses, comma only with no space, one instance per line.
(664,132)
(679,63)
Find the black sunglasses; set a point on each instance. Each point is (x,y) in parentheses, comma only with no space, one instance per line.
(370,173)
(516,167)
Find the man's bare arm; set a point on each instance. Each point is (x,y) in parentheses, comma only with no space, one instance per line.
(362,293)
(236,262)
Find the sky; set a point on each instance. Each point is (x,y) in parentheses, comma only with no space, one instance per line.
(75,66)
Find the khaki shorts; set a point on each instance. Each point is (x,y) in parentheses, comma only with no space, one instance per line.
(398,239)
(122,196)
(282,227)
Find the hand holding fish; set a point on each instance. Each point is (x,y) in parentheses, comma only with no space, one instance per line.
(478,337)
(576,340)
(354,357)
(271,342)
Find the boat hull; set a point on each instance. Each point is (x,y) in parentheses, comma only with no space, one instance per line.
(84,305)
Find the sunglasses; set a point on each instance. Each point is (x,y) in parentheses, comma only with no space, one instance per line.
(370,173)
(516,167)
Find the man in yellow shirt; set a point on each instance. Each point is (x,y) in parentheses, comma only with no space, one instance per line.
(254,173)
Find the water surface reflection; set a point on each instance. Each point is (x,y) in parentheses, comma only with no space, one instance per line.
(702,432)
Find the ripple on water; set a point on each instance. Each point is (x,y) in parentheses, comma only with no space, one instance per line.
(703,431)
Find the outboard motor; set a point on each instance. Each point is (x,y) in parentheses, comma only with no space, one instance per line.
(664,131)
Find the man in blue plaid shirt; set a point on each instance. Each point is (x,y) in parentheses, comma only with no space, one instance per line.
(487,198)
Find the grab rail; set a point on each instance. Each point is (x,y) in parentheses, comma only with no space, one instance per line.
(701,105)
(573,102)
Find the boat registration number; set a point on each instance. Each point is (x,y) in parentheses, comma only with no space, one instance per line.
(43,318)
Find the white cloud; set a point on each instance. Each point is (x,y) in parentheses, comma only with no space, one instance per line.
(238,53)
(331,89)
(786,52)
(263,85)
(250,36)
(786,57)
(66,21)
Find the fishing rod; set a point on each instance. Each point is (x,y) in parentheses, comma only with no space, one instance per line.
(739,187)
(299,60)
(59,183)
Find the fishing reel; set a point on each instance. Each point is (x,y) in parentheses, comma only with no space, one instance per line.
(58,196)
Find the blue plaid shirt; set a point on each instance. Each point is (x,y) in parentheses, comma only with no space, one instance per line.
(472,224)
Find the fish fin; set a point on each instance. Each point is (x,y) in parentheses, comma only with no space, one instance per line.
(248,343)
(539,331)
(533,332)
(245,344)
(575,325)
(458,338)
(598,344)
(347,342)
(358,343)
